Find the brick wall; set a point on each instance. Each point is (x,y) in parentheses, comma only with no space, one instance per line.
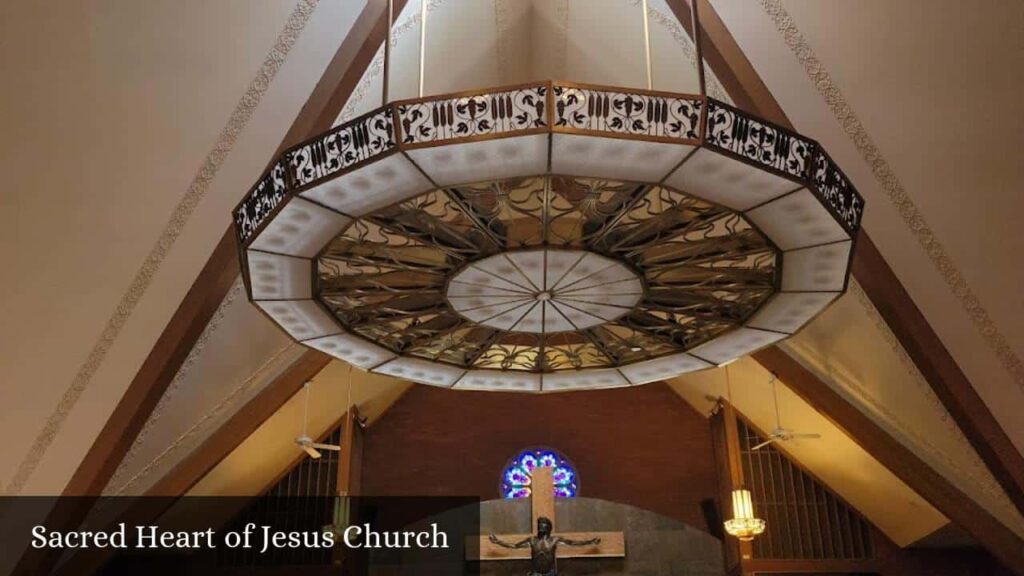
(641,446)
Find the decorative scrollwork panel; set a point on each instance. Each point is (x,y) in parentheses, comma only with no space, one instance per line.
(343,147)
(477,115)
(833,187)
(754,139)
(261,200)
(622,112)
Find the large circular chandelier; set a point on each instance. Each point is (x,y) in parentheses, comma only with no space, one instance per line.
(549,236)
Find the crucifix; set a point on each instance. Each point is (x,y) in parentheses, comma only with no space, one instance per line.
(542,505)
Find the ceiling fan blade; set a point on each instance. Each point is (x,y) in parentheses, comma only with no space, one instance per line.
(331,447)
(313,452)
(765,443)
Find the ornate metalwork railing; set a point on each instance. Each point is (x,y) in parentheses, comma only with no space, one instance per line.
(261,201)
(448,118)
(621,111)
(319,159)
(342,148)
(755,140)
(550,107)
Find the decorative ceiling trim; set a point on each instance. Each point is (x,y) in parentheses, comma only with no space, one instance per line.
(197,189)
(972,478)
(897,194)
(189,436)
(237,288)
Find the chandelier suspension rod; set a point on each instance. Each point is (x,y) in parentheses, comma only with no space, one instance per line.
(423,42)
(305,409)
(387,51)
(775,400)
(695,23)
(647,45)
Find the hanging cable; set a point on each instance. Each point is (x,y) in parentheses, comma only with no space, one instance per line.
(305,411)
(387,51)
(348,406)
(647,45)
(728,385)
(423,42)
(775,398)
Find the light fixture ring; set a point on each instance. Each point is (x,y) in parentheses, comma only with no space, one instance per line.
(783,184)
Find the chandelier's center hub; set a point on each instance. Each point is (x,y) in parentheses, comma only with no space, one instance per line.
(544,291)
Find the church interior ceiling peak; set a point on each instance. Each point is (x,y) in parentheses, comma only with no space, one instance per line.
(895,127)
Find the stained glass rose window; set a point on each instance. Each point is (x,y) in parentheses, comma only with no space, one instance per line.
(517,477)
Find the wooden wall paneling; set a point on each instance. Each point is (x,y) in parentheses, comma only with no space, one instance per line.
(836,524)
(729,472)
(350,464)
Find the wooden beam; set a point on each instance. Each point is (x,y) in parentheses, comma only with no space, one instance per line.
(876,277)
(350,460)
(729,473)
(899,459)
(179,480)
(140,399)
(939,369)
(157,372)
(724,56)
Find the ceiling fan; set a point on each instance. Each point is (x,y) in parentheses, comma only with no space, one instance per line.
(780,434)
(304,441)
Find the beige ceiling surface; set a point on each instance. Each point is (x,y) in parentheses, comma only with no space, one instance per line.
(269,451)
(845,467)
(217,379)
(850,348)
(503,42)
(110,112)
(134,136)
(935,87)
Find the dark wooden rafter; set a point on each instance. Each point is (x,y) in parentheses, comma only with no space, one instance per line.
(218,445)
(180,479)
(350,465)
(875,276)
(902,461)
(939,369)
(729,473)
(157,371)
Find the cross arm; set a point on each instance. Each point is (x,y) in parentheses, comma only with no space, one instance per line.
(571,542)
(524,543)
(610,545)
